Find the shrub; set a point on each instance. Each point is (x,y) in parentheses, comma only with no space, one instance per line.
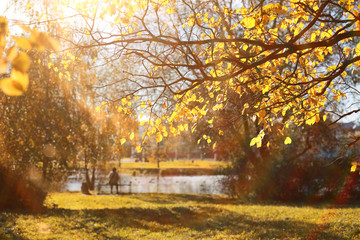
(18,193)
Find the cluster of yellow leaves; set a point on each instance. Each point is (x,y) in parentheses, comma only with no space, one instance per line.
(277,87)
(18,81)
(68,60)
(354,166)
(258,139)
(304,109)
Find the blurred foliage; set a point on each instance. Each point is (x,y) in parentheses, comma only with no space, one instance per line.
(20,192)
(315,167)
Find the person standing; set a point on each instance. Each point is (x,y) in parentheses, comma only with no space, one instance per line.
(113,180)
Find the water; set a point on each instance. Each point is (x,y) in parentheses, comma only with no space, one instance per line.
(153,184)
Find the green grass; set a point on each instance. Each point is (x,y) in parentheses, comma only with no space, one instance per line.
(175,164)
(177,216)
(172,168)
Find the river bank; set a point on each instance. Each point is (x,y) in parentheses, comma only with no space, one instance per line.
(171,168)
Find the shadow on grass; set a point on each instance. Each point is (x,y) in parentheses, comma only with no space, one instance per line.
(199,219)
(159,198)
(8,231)
(183,215)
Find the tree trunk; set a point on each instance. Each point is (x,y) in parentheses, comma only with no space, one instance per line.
(157,154)
(92,181)
(44,167)
(87,178)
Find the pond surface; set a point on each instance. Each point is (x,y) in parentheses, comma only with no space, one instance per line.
(153,184)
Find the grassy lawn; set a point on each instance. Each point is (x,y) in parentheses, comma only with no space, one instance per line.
(176,216)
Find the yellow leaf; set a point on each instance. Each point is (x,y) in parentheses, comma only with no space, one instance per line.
(9,87)
(3,66)
(287,140)
(11,53)
(158,121)
(193,128)
(124,101)
(132,136)
(41,40)
(4,26)
(21,62)
(214,145)
(248,22)
(244,11)
(311,120)
(138,149)
(159,137)
(122,141)
(313,37)
(26,28)
(258,144)
(221,132)
(23,43)
(16,85)
(170,10)
(28,6)
(253,141)
(347,51)
(353,168)
(136,97)
(357,49)
(191,21)
(52,44)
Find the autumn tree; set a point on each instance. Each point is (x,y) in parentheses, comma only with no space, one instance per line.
(41,109)
(279,58)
